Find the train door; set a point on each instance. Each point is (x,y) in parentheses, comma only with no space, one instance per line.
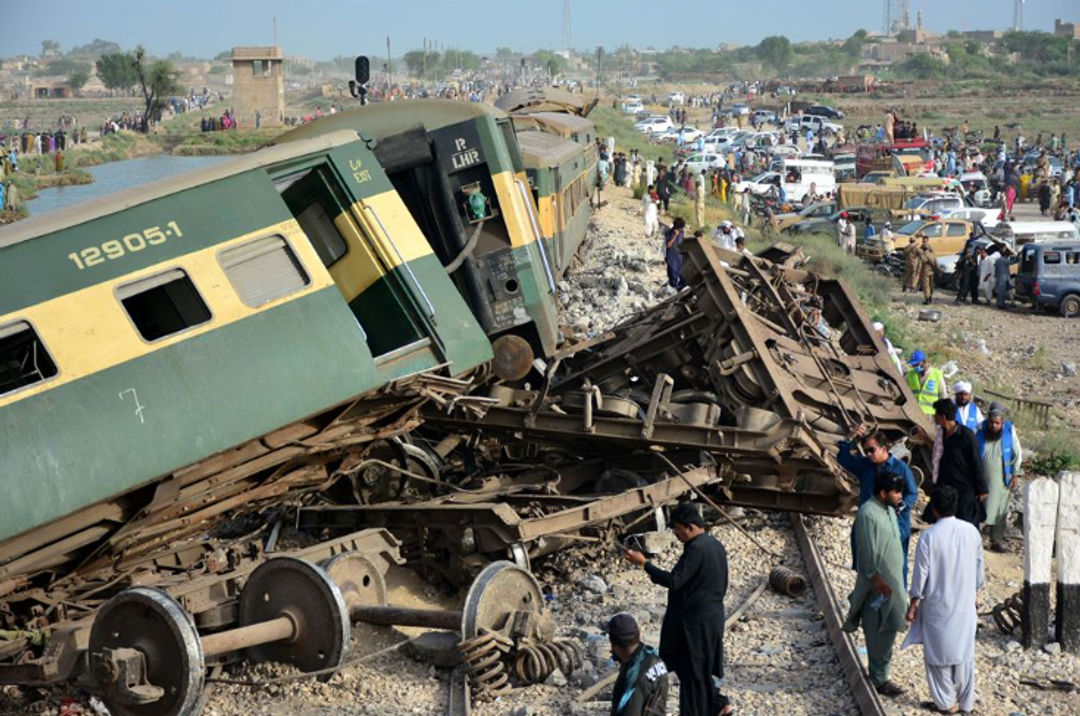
(390,318)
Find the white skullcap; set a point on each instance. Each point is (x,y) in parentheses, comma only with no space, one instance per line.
(962,386)
(878,326)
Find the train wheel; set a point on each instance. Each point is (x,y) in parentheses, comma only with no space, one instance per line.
(145,653)
(296,588)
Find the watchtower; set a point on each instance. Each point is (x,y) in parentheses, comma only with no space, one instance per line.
(258,86)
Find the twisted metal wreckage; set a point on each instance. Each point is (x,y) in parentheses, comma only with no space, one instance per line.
(738,388)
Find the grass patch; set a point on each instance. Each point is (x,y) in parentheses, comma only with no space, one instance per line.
(238,141)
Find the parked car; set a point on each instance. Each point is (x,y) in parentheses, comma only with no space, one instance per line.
(933,204)
(763,116)
(1049,276)
(845,167)
(813,122)
(988,217)
(633,107)
(817,210)
(676,98)
(1020,233)
(739,108)
(706,162)
(976,187)
(795,176)
(827,224)
(947,236)
(654,125)
(822,110)
(688,134)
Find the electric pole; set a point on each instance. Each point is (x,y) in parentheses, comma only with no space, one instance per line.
(389,67)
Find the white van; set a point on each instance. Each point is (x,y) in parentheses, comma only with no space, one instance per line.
(1019,233)
(796,176)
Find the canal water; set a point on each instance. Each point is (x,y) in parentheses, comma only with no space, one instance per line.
(117,176)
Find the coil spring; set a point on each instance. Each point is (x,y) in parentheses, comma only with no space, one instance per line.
(1007,615)
(483,658)
(536,662)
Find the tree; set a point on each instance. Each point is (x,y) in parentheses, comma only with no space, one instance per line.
(416,61)
(97,48)
(923,66)
(79,76)
(552,63)
(49,47)
(854,44)
(775,50)
(157,79)
(117,70)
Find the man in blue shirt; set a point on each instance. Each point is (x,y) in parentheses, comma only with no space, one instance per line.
(865,467)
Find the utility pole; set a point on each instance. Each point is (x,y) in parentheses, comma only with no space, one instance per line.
(274,33)
(566,25)
(599,58)
(389,68)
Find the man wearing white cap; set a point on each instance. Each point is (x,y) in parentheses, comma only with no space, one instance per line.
(879,329)
(967,413)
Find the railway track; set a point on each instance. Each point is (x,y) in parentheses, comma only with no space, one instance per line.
(862,691)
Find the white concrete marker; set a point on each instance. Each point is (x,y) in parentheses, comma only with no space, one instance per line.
(1067,629)
(1040,518)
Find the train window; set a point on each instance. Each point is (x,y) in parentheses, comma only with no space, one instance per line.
(306,194)
(263,270)
(23,358)
(163,305)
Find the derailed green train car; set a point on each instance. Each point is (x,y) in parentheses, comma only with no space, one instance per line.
(149,331)
(562,172)
(458,168)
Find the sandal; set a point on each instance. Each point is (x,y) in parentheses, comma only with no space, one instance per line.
(931,706)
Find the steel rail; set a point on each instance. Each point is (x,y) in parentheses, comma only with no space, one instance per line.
(866,697)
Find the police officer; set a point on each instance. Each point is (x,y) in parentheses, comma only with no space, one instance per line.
(926,382)
(642,686)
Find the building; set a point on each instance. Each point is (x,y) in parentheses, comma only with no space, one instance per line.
(258,86)
(1067,29)
(986,36)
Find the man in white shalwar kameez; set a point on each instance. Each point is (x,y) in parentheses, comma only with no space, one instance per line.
(947,574)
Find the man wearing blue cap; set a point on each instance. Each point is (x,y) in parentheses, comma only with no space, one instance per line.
(926,382)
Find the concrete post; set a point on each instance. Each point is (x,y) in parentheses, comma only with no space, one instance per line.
(1040,516)
(1068,552)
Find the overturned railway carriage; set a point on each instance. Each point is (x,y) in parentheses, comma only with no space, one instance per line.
(458,168)
(183,361)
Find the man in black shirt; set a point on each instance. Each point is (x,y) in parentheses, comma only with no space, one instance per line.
(692,635)
(961,466)
(642,686)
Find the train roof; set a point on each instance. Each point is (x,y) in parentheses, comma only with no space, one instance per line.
(82,212)
(547,149)
(542,99)
(383,119)
(560,120)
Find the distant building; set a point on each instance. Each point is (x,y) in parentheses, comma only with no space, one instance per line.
(1067,29)
(258,85)
(988,36)
(50,88)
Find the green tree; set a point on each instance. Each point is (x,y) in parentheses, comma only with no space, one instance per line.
(854,44)
(48,46)
(923,66)
(78,77)
(117,70)
(97,48)
(416,62)
(552,63)
(157,79)
(775,50)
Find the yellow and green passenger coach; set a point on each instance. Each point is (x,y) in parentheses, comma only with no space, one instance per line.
(146,331)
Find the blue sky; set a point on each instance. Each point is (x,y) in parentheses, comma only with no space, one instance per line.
(324,28)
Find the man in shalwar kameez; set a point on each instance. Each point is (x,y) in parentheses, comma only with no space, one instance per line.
(948,572)
(878,601)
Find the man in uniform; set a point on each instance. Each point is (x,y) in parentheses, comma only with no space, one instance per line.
(926,382)
(642,686)
(878,601)
(911,262)
(692,635)
(927,264)
(1002,457)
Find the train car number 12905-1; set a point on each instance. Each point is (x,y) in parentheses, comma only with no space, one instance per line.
(131,243)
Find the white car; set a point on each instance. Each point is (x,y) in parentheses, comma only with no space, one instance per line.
(706,162)
(812,122)
(988,217)
(675,98)
(689,135)
(632,107)
(654,125)
(761,140)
